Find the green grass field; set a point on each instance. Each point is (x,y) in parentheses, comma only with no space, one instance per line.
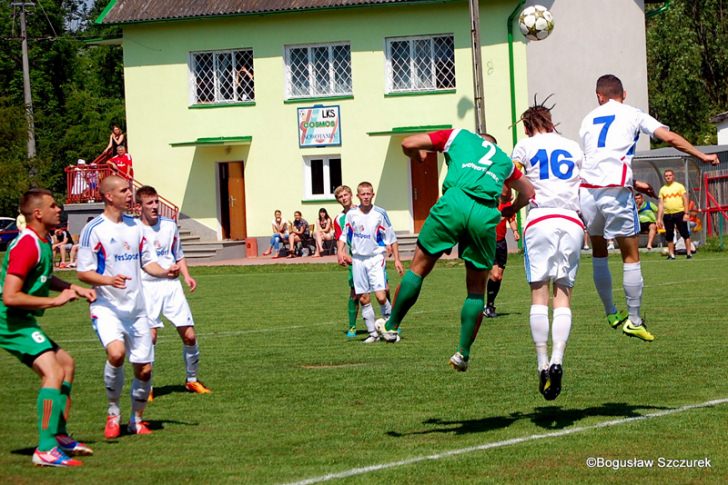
(294,400)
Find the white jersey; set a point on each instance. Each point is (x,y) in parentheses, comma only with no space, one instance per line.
(164,239)
(110,249)
(368,233)
(609,137)
(552,164)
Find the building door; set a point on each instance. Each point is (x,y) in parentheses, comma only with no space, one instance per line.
(424,188)
(232,200)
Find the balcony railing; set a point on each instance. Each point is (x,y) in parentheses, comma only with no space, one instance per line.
(82,186)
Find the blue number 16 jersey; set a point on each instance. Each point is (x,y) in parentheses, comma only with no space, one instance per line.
(552,164)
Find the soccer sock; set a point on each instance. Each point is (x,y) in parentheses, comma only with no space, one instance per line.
(539,320)
(406,295)
(633,283)
(386,309)
(139,395)
(191,355)
(603,283)
(560,330)
(470,317)
(49,412)
(114,381)
(65,407)
(367,313)
(353,309)
(493,289)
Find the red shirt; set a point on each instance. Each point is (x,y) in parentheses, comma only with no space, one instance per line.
(500,229)
(23,257)
(124,164)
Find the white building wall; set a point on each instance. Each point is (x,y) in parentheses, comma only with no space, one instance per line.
(590,38)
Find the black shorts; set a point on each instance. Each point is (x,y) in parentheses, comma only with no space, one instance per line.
(501,253)
(645,227)
(675,220)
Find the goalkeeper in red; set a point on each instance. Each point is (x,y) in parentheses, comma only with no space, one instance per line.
(26,281)
(466,215)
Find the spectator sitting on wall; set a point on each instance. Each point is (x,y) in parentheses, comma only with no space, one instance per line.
(64,245)
(298,233)
(122,163)
(647,212)
(324,232)
(280,234)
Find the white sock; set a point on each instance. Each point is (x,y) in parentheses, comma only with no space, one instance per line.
(603,283)
(386,309)
(560,333)
(191,355)
(633,284)
(539,320)
(367,313)
(114,383)
(139,395)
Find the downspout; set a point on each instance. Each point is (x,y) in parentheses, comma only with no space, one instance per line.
(512,80)
(664,8)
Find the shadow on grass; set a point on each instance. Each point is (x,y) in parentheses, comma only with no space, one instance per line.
(164,390)
(549,417)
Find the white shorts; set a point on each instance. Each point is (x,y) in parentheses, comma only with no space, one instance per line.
(610,212)
(369,274)
(166,297)
(133,331)
(552,242)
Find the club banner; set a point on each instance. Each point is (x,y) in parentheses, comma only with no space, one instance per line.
(319,126)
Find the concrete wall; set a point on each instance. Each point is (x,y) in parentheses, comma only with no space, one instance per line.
(590,38)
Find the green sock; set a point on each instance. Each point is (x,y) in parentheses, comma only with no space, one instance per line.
(65,406)
(406,295)
(49,411)
(470,317)
(353,310)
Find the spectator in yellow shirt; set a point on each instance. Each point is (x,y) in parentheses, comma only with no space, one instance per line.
(672,213)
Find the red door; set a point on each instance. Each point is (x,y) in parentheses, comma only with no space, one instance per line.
(424,188)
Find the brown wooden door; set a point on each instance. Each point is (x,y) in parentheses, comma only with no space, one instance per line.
(424,188)
(236,200)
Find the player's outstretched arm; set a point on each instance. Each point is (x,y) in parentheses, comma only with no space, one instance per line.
(58,284)
(645,188)
(154,269)
(685,146)
(14,297)
(417,146)
(94,279)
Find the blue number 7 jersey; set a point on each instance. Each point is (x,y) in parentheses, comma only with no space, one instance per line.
(552,164)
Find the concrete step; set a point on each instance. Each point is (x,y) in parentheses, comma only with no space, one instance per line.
(213,250)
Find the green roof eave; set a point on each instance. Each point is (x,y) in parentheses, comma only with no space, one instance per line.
(409,130)
(215,141)
(101,17)
(102,41)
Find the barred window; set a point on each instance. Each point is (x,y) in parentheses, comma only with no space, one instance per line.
(423,63)
(222,76)
(322,174)
(318,70)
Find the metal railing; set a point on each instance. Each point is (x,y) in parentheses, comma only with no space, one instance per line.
(82,186)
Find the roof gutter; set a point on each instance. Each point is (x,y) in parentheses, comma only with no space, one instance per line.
(105,12)
(511,73)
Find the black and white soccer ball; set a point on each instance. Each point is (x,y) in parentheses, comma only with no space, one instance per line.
(536,22)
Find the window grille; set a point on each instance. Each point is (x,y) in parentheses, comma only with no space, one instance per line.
(423,63)
(223,76)
(318,70)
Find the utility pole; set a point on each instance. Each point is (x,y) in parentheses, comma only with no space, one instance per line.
(477,66)
(26,78)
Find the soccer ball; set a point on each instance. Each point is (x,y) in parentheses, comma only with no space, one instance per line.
(665,251)
(536,22)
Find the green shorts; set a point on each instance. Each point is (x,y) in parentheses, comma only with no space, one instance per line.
(460,219)
(25,339)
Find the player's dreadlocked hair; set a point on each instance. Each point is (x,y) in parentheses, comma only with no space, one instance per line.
(538,117)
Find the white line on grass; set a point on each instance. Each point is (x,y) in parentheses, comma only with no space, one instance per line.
(501,444)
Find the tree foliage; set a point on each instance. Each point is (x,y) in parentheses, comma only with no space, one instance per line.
(77,92)
(687,62)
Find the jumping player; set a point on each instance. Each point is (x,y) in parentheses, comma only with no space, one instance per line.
(466,215)
(27,279)
(369,234)
(552,237)
(164,296)
(609,135)
(112,254)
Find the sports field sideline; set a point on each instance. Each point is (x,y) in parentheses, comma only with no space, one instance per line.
(294,401)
